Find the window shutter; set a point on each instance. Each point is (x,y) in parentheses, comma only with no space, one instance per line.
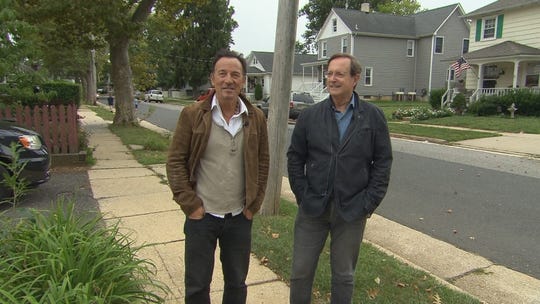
(478,29)
(500,19)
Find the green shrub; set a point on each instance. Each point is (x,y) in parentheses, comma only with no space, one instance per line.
(258,92)
(483,108)
(61,257)
(527,103)
(435,98)
(46,93)
(66,92)
(459,104)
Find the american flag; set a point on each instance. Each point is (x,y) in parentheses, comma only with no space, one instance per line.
(459,66)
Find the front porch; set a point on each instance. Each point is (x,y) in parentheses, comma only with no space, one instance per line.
(501,68)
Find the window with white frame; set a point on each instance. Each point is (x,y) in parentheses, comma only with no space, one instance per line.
(451,75)
(255,61)
(488,28)
(368,76)
(465,48)
(334,25)
(324,49)
(344,45)
(439,45)
(410,48)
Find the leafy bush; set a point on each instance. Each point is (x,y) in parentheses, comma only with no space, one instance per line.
(459,104)
(435,98)
(483,108)
(258,92)
(60,257)
(421,113)
(66,92)
(527,103)
(47,93)
(24,96)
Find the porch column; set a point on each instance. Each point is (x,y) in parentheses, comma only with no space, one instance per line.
(516,70)
(480,82)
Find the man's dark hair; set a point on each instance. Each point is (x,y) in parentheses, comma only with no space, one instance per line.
(230,54)
(356,68)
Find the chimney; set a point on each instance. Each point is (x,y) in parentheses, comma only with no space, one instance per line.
(364,7)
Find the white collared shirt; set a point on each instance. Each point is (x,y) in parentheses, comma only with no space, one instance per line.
(235,123)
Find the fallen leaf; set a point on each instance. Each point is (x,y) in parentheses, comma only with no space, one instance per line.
(373,293)
(275,235)
(378,280)
(437,299)
(264,261)
(402,285)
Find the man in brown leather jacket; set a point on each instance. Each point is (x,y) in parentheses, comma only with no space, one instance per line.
(217,170)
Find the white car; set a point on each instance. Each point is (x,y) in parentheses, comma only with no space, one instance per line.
(154,95)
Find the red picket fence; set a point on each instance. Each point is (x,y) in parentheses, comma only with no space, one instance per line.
(57,125)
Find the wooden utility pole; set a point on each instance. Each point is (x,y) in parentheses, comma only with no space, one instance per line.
(280,94)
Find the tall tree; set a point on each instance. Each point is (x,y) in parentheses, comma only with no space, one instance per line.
(316,12)
(124,20)
(187,57)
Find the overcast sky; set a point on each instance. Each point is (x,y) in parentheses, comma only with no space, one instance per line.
(257,21)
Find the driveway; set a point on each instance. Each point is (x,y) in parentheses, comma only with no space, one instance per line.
(66,184)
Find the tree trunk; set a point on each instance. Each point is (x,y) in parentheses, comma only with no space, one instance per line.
(122,82)
(89,82)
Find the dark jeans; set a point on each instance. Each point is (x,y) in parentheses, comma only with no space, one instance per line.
(234,235)
(310,234)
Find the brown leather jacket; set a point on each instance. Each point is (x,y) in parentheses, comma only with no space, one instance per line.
(189,142)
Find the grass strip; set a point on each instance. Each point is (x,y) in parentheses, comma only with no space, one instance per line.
(379,278)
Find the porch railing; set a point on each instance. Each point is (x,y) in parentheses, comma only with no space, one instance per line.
(317,90)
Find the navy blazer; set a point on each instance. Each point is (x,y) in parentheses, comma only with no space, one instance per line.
(353,173)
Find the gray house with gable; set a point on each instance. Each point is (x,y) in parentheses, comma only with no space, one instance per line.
(402,56)
(259,71)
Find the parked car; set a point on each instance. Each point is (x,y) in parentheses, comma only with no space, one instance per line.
(298,102)
(154,95)
(33,153)
(203,96)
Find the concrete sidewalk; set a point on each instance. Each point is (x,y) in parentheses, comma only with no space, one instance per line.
(139,198)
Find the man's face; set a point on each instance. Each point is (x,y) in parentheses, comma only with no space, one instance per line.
(339,81)
(228,79)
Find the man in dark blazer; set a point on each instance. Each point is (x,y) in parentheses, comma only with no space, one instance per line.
(339,165)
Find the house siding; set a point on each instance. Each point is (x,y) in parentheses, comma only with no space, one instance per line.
(520,25)
(391,66)
(327,30)
(454,31)
(423,60)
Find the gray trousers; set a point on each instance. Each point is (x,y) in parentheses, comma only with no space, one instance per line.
(310,234)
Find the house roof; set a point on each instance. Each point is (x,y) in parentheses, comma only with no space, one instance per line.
(266,60)
(377,24)
(503,49)
(500,5)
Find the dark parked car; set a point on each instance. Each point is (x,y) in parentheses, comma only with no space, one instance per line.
(32,151)
(298,102)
